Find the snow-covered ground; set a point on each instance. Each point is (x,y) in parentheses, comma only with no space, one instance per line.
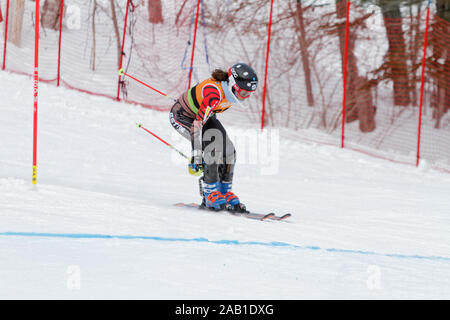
(101,222)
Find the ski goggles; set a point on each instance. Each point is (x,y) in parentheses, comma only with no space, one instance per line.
(239,92)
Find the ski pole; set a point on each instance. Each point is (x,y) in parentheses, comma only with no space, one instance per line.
(166,143)
(122,72)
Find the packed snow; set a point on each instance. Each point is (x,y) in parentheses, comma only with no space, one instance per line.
(101,222)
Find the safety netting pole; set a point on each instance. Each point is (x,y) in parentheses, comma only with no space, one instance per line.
(344,98)
(269,28)
(123,45)
(36,83)
(6,35)
(422,83)
(193,44)
(61,12)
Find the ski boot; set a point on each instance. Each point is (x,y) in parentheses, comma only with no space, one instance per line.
(212,198)
(231,199)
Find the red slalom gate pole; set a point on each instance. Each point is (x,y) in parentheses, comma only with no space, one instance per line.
(163,141)
(6,35)
(36,83)
(266,66)
(193,44)
(422,85)
(347,31)
(123,45)
(122,72)
(61,12)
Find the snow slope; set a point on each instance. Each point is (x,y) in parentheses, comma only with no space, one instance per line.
(101,222)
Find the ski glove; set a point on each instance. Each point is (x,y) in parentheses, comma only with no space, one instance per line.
(195,166)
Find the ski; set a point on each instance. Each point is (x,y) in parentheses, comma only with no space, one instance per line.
(283,217)
(246,214)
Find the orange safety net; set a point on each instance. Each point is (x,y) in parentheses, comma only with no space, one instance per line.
(308,50)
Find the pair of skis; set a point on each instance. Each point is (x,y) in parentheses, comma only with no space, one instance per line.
(246,214)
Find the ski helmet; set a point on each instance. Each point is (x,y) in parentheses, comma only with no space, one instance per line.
(242,80)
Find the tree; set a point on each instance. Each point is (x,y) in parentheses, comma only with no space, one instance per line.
(396,57)
(440,61)
(443,9)
(301,34)
(15,22)
(359,102)
(155,11)
(93,50)
(415,46)
(116,32)
(50,14)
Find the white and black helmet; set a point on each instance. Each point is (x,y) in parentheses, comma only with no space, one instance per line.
(242,80)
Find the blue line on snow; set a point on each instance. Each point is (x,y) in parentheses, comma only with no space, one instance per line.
(226,242)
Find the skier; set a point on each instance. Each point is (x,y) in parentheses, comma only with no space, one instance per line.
(194,116)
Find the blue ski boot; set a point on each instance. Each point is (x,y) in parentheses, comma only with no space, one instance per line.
(230,197)
(212,198)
